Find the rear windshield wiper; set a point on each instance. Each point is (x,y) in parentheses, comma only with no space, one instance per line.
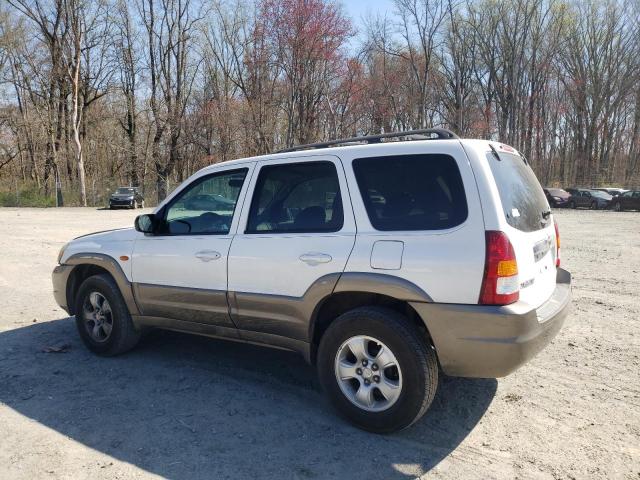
(495,152)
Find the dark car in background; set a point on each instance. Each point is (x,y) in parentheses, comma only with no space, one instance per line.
(126,197)
(629,200)
(557,197)
(586,198)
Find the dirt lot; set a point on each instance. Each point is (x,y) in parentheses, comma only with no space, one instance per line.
(187,407)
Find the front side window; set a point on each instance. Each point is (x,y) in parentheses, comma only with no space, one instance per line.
(412,192)
(206,206)
(296,198)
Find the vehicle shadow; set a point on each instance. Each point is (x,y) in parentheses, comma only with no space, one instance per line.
(190,407)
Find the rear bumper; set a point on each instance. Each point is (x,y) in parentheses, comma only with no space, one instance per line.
(490,342)
(60,276)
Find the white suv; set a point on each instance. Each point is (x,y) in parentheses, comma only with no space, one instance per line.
(382,263)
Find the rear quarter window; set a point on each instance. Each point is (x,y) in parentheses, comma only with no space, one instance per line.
(522,197)
(412,192)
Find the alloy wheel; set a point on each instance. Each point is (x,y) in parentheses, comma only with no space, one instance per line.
(97,316)
(368,373)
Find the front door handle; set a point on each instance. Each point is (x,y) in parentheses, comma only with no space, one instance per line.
(208,255)
(313,258)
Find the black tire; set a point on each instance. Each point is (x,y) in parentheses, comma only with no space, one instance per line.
(123,336)
(415,355)
(572,205)
(594,205)
(110,207)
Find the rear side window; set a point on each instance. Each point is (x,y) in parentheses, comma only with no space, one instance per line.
(296,197)
(412,192)
(522,197)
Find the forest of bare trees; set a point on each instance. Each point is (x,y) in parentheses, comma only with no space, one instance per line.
(100,93)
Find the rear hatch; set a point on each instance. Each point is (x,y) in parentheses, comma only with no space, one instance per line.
(529,224)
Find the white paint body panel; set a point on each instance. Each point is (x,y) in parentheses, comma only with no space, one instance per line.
(171,259)
(114,243)
(387,255)
(542,272)
(447,264)
(270,263)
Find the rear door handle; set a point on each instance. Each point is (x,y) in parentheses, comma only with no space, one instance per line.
(208,255)
(313,258)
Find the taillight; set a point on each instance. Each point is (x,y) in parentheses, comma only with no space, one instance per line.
(555,224)
(500,285)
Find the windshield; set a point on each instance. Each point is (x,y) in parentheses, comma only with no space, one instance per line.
(558,192)
(124,191)
(522,197)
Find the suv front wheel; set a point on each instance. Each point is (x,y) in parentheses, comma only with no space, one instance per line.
(378,369)
(102,317)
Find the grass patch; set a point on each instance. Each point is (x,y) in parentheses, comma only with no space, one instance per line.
(27,197)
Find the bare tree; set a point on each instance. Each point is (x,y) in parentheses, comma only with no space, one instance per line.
(171,27)
(129,70)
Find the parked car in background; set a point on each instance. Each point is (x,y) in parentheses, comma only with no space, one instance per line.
(614,192)
(557,197)
(593,199)
(627,201)
(126,197)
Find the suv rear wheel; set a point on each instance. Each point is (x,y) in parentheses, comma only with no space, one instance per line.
(102,317)
(378,369)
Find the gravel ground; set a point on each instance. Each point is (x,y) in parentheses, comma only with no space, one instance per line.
(187,407)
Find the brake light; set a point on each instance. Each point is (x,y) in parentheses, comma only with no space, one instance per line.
(555,224)
(500,285)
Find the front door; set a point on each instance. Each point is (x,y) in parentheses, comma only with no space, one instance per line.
(294,238)
(180,271)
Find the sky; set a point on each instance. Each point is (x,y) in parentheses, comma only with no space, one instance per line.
(359,9)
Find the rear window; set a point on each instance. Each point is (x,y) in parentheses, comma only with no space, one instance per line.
(520,193)
(411,192)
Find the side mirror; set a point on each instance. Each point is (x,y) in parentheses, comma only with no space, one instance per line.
(145,223)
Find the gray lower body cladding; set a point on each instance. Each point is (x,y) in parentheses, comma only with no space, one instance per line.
(470,340)
(490,342)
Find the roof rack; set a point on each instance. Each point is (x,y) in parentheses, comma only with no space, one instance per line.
(441,133)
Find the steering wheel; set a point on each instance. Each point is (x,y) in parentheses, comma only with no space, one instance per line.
(177,220)
(212,219)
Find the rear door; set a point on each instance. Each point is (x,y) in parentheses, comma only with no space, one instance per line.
(295,235)
(529,225)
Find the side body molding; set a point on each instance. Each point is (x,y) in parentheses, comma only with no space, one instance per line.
(382,284)
(111,266)
(278,314)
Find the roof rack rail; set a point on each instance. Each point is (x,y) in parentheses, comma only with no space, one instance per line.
(441,133)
